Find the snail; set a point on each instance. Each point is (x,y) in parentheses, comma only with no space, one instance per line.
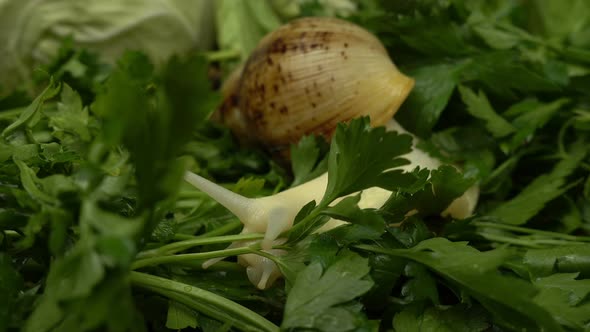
(303,79)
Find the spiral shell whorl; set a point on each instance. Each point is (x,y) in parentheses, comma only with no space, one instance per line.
(307,76)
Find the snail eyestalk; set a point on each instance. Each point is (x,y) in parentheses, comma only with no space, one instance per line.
(271,215)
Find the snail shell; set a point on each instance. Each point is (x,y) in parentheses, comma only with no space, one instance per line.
(306,77)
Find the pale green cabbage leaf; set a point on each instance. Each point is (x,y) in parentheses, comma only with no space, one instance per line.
(31,31)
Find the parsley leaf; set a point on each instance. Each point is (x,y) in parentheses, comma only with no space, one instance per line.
(565,259)
(531,115)
(476,273)
(563,20)
(31,112)
(364,223)
(363,157)
(434,87)
(11,285)
(308,159)
(180,316)
(445,184)
(459,318)
(496,37)
(421,286)
(542,190)
(566,298)
(71,117)
(360,157)
(505,75)
(479,106)
(318,296)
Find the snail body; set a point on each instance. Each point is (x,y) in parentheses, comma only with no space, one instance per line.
(306,77)
(273,215)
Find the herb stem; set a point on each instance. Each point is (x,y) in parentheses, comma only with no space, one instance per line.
(531,231)
(222,55)
(553,242)
(510,240)
(175,247)
(11,233)
(306,222)
(224,219)
(218,266)
(224,229)
(174,259)
(12,113)
(204,301)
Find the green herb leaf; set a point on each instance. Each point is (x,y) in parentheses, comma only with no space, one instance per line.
(306,159)
(457,318)
(496,37)
(476,273)
(366,223)
(503,74)
(240,25)
(444,185)
(180,316)
(34,108)
(30,183)
(479,106)
(566,298)
(71,117)
(363,157)
(531,116)
(434,86)
(542,190)
(421,286)
(10,286)
(317,295)
(544,262)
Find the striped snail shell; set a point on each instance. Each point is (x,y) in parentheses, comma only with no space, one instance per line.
(306,77)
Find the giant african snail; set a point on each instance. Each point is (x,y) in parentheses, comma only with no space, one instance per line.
(305,78)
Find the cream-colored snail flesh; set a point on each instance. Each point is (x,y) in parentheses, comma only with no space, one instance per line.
(303,79)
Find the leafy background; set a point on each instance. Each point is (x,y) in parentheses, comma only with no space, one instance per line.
(98,232)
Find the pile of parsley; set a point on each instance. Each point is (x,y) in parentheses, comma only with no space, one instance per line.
(98,232)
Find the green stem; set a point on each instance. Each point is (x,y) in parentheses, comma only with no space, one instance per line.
(11,233)
(222,55)
(204,301)
(175,259)
(175,247)
(223,229)
(13,113)
(306,221)
(530,231)
(552,242)
(510,240)
(184,204)
(219,266)
(527,36)
(190,219)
